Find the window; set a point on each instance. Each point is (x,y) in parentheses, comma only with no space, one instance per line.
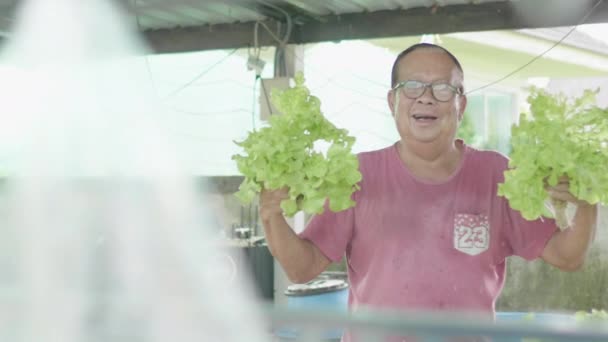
(491,114)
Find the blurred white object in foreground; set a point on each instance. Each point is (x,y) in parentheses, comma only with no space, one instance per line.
(103,236)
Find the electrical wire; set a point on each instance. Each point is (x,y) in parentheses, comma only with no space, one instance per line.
(266,96)
(280,68)
(535,58)
(284,40)
(235,111)
(288,20)
(146,57)
(580,22)
(255,82)
(149,69)
(203,73)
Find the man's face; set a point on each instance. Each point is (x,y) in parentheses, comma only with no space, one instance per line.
(425,119)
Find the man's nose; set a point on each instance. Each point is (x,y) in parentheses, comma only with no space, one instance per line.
(427,96)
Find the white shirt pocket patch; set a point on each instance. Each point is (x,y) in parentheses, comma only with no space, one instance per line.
(471,233)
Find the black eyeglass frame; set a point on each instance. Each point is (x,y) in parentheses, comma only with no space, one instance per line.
(423,86)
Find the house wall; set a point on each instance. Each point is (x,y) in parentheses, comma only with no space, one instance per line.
(575,87)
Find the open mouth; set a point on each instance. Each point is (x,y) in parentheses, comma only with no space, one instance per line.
(424,117)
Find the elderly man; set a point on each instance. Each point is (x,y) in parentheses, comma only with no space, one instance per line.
(428,231)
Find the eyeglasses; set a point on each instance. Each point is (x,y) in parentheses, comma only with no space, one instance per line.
(442,92)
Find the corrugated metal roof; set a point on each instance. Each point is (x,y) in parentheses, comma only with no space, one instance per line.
(189,25)
(194,25)
(575,38)
(155,14)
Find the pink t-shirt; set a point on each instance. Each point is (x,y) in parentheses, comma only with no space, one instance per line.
(415,245)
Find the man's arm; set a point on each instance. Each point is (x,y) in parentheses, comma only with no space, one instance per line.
(300,258)
(567,249)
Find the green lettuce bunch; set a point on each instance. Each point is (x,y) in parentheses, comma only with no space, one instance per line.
(591,316)
(284,155)
(559,137)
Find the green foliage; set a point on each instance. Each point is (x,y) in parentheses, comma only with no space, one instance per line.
(592,316)
(539,287)
(283,155)
(585,317)
(558,137)
(466,131)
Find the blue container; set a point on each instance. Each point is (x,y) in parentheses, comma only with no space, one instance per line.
(321,294)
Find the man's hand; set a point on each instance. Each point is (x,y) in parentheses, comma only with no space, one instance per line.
(560,196)
(567,248)
(270,202)
(561,192)
(300,258)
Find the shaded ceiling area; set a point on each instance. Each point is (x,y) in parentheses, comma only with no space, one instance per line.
(198,25)
(191,25)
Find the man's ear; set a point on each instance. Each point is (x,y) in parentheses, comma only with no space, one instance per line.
(390,96)
(463,107)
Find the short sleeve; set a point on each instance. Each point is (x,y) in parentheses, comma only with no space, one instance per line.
(331,232)
(524,238)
